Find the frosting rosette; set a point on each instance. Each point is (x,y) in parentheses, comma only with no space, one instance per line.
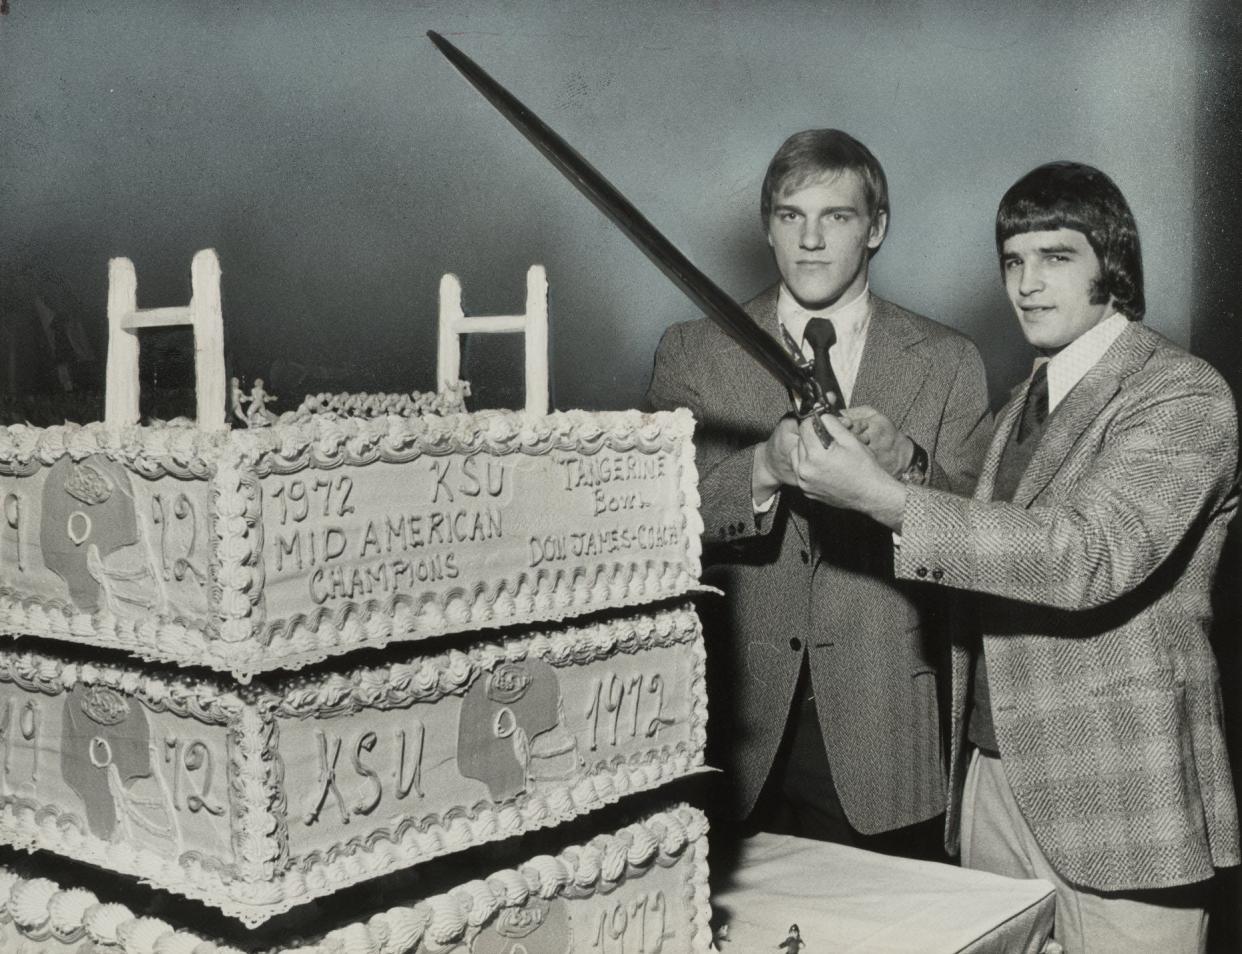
(140,935)
(510,903)
(29,900)
(409,925)
(291,788)
(66,910)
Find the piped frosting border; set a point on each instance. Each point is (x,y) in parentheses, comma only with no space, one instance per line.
(237,638)
(265,878)
(41,909)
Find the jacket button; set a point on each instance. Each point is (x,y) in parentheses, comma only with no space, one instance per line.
(795,643)
(921,572)
(937,574)
(806,557)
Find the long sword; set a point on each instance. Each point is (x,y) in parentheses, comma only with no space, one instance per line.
(719,307)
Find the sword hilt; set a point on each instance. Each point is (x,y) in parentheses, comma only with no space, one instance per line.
(816,415)
(811,400)
(814,403)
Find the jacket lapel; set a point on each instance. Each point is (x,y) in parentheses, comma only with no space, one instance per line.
(752,395)
(755,397)
(1006,421)
(892,372)
(1080,407)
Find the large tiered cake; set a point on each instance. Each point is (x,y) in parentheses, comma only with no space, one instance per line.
(640,890)
(261,798)
(274,547)
(472,543)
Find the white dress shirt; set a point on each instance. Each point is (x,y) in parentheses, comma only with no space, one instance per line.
(850,321)
(1070,365)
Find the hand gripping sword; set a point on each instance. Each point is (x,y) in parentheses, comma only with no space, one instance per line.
(811,401)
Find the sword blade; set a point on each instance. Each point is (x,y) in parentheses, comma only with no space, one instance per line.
(700,289)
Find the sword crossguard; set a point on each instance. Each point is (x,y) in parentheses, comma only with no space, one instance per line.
(814,403)
(817,422)
(816,414)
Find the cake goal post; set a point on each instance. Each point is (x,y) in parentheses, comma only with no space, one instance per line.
(125,319)
(534,324)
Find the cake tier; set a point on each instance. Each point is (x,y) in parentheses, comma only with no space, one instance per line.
(275,547)
(642,890)
(256,799)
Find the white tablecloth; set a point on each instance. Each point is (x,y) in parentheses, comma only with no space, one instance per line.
(847,901)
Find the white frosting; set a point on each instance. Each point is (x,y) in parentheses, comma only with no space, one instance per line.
(223,595)
(66,910)
(416,403)
(28,902)
(260,815)
(630,536)
(142,934)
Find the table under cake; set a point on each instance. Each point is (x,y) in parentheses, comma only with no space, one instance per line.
(310,686)
(776,892)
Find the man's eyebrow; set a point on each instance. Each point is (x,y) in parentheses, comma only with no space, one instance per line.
(785,206)
(1058,250)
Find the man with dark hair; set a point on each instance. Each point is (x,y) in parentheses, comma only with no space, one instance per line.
(1074,196)
(825,669)
(1087,745)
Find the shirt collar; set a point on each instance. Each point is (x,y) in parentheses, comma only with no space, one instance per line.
(1071,364)
(848,319)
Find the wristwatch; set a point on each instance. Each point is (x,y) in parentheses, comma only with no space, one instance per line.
(919,468)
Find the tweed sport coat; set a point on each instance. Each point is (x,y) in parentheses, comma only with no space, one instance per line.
(807,575)
(1105,693)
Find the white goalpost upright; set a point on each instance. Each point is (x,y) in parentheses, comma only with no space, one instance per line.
(203,314)
(125,319)
(533,324)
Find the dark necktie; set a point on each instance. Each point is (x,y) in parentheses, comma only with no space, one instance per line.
(1024,438)
(1035,411)
(822,336)
(1015,459)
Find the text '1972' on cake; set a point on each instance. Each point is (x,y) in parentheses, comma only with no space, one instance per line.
(640,890)
(353,522)
(258,798)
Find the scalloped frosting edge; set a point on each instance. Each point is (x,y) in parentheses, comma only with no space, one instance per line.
(41,909)
(273,881)
(186,451)
(236,570)
(418,678)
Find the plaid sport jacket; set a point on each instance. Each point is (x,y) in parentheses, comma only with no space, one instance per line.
(1095,611)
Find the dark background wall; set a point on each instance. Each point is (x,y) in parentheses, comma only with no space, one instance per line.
(1216,333)
(340,166)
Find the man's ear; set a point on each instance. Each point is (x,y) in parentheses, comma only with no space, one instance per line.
(879,228)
